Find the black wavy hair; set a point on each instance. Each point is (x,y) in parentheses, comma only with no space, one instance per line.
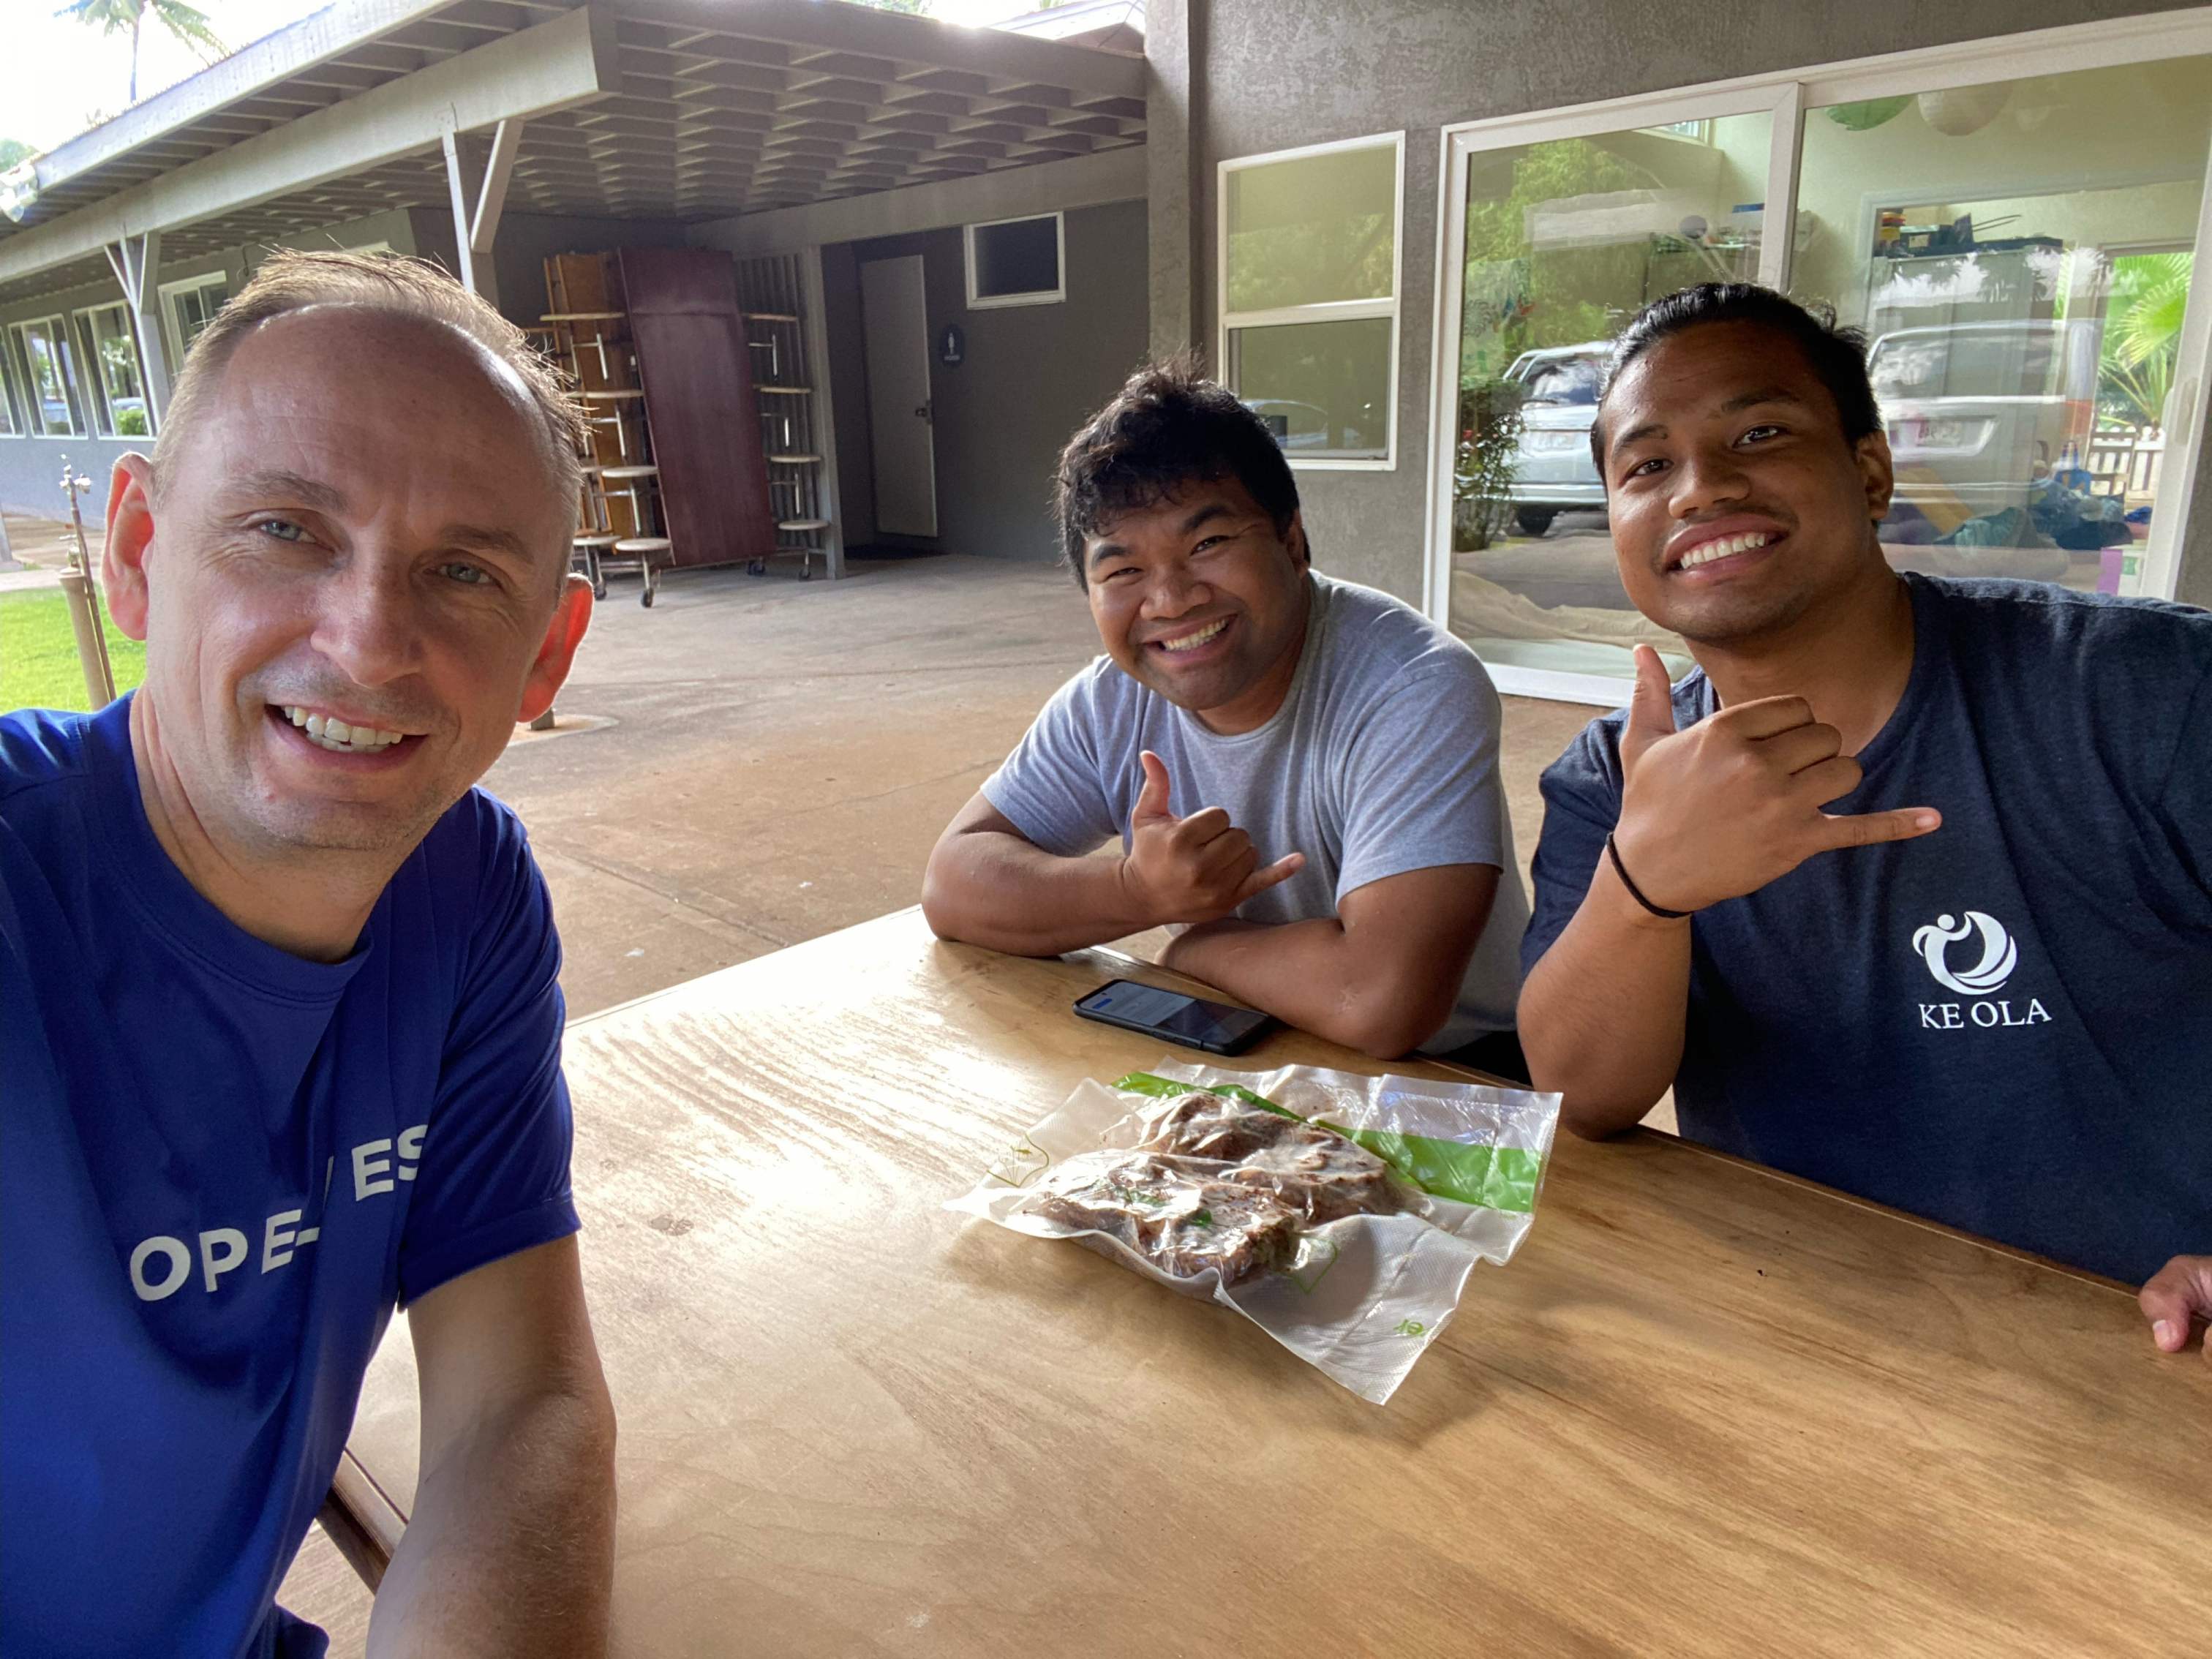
(1168,426)
(1837,356)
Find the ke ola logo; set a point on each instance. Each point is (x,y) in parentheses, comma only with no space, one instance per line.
(1999,954)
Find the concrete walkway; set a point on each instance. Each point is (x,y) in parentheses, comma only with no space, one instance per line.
(780,755)
(45,545)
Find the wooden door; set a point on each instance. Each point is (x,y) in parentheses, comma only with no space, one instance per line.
(699,403)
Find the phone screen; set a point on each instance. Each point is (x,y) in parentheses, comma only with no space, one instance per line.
(1171,1013)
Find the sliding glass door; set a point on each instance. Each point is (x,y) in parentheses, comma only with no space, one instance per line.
(2019,253)
(1565,239)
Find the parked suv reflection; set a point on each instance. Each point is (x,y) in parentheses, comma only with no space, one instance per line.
(1552,471)
(1989,425)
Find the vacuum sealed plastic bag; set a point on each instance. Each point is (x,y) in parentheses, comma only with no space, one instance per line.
(1341,1214)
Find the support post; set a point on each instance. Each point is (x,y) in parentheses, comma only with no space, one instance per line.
(491,202)
(1173,127)
(468,272)
(824,416)
(134,260)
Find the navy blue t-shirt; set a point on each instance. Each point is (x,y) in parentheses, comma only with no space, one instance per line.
(223,1167)
(2006,1024)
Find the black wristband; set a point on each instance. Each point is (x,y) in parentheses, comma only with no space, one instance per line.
(1634,891)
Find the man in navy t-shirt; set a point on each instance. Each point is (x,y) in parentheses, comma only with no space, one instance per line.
(1979,986)
(279,1009)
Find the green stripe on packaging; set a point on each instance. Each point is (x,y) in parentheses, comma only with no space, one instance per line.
(1145,1083)
(1489,1178)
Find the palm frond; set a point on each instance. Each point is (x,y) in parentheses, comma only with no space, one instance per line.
(188,24)
(2153,323)
(114,16)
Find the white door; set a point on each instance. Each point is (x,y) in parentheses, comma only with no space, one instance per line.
(896,329)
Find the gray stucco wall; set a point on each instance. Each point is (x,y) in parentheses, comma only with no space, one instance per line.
(1030,374)
(1280,73)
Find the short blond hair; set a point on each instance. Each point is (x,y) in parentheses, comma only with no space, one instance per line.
(390,285)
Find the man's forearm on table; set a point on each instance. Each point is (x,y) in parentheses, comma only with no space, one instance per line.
(1000,892)
(1601,1014)
(510,1551)
(1312,975)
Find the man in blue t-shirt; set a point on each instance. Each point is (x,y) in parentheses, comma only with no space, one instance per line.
(279,1009)
(1979,986)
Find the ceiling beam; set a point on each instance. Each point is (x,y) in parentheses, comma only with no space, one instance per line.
(1081,181)
(568,61)
(910,40)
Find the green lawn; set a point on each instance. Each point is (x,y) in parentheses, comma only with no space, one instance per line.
(38,653)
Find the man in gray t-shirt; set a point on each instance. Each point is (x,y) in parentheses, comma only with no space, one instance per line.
(1302,773)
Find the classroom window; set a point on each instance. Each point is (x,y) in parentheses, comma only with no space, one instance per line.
(1308,250)
(11,399)
(192,306)
(1016,262)
(42,353)
(116,384)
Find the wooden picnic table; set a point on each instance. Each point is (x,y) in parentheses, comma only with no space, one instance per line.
(1708,1409)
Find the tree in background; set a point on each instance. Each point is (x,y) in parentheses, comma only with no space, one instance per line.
(1483,463)
(187,25)
(2142,336)
(1531,299)
(1516,298)
(13,150)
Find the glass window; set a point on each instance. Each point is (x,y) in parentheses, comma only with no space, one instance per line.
(192,308)
(117,389)
(1327,385)
(43,353)
(1015,262)
(2019,256)
(11,419)
(1309,296)
(1566,239)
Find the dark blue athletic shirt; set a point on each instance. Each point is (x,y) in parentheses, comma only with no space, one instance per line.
(221,1166)
(2005,1025)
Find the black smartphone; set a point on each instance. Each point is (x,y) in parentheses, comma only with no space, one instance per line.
(1191,1021)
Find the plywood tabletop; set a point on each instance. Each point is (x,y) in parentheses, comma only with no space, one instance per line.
(1706,1409)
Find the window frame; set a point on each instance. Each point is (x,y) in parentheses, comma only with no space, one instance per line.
(18,423)
(72,394)
(101,406)
(169,292)
(1786,95)
(1327,311)
(1055,295)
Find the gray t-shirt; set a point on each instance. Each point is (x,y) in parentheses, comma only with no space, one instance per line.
(1383,759)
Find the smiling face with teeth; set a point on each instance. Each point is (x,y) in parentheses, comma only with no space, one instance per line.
(351,582)
(1737,506)
(1201,597)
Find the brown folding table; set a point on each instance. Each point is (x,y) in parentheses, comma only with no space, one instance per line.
(1708,1409)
